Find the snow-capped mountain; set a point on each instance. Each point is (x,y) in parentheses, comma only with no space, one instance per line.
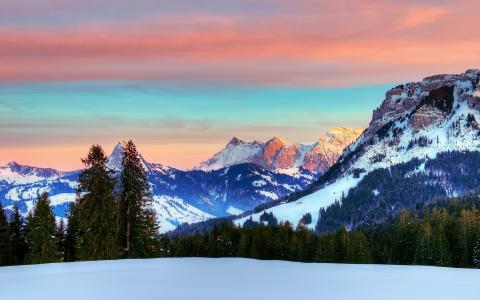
(276,154)
(179,196)
(422,142)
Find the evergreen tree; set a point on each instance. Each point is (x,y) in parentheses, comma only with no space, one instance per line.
(326,248)
(404,239)
(359,252)
(342,244)
(476,250)
(96,209)
(432,247)
(61,231)
(4,238)
(17,238)
(423,254)
(41,233)
(244,244)
(71,235)
(138,225)
(282,240)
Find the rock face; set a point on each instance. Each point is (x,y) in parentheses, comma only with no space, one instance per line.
(420,119)
(277,154)
(271,151)
(426,102)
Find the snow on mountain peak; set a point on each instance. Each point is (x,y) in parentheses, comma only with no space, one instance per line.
(14,172)
(420,119)
(276,153)
(115,159)
(12,165)
(235,141)
(278,140)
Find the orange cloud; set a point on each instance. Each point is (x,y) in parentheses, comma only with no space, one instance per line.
(421,16)
(317,43)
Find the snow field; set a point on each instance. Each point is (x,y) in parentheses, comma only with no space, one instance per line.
(234,278)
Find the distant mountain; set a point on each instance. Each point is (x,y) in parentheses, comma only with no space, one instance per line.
(277,154)
(423,142)
(179,196)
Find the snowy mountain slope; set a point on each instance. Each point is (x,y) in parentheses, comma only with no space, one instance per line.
(214,278)
(234,153)
(416,122)
(276,154)
(179,196)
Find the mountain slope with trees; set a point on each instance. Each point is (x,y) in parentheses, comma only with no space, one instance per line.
(422,127)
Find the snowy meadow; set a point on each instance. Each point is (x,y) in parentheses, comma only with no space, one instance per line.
(233,278)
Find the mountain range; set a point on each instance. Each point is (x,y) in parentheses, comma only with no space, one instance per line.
(277,154)
(422,144)
(227,187)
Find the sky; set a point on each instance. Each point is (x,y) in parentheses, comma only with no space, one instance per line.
(181,78)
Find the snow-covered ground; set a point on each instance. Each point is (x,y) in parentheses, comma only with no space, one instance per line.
(294,211)
(233,278)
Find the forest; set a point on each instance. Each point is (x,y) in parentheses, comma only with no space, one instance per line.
(445,234)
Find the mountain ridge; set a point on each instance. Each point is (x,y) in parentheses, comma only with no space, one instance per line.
(178,196)
(276,153)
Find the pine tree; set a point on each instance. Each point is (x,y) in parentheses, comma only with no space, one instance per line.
(423,254)
(342,244)
(4,238)
(244,243)
(96,209)
(138,225)
(326,249)
(61,237)
(476,250)
(71,235)
(17,238)
(41,232)
(404,239)
(359,251)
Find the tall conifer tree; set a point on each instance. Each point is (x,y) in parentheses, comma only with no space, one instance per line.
(96,209)
(138,225)
(17,238)
(61,237)
(4,238)
(476,250)
(41,233)
(71,235)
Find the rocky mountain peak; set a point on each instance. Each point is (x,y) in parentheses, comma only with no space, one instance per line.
(235,141)
(277,154)
(416,119)
(12,165)
(272,149)
(115,159)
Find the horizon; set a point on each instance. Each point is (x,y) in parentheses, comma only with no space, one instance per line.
(181,79)
(109,150)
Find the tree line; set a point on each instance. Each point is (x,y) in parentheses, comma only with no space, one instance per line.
(112,217)
(439,236)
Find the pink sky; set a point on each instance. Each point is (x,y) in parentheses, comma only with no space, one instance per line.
(295,42)
(254,43)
